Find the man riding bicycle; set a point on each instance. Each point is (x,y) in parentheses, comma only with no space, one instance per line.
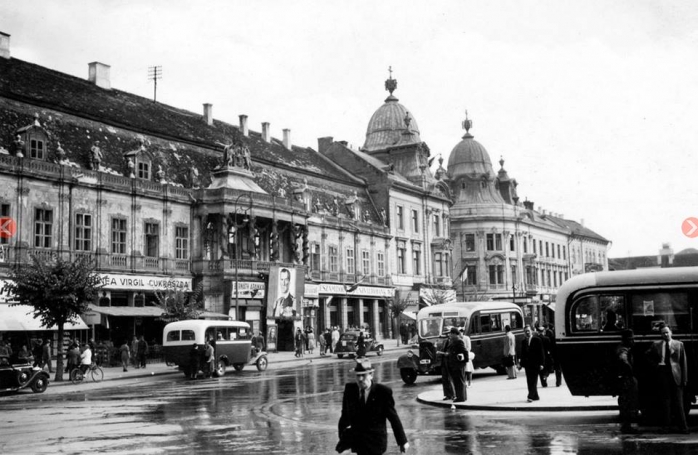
(85,358)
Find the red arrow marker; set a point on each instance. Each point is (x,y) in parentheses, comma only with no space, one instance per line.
(8,227)
(689,227)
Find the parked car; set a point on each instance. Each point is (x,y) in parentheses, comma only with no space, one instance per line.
(347,345)
(18,374)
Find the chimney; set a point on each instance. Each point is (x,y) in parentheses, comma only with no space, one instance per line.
(323,143)
(208,113)
(4,45)
(243,125)
(265,132)
(528,205)
(99,75)
(287,138)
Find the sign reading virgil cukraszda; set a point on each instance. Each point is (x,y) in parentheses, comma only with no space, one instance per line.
(144,282)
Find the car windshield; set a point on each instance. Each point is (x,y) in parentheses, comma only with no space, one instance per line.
(430,327)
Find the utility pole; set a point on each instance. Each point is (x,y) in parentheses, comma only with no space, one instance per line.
(155,73)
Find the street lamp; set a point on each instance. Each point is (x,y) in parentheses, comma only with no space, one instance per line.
(234,228)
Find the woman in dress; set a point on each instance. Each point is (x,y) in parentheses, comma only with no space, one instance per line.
(468,366)
(125,355)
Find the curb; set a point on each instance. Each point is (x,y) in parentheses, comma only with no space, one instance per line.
(516,408)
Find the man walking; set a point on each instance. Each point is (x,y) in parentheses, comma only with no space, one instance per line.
(142,351)
(456,358)
(532,359)
(510,353)
(627,384)
(445,376)
(669,357)
(365,408)
(46,355)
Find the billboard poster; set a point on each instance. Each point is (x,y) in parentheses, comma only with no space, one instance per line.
(286,287)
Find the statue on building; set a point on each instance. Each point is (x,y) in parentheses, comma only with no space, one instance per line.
(193,177)
(19,147)
(160,174)
(317,206)
(384,217)
(131,168)
(96,156)
(367,216)
(60,153)
(281,192)
(335,206)
(246,158)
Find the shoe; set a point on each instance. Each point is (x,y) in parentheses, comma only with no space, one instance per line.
(459,401)
(511,378)
(529,400)
(446,398)
(125,370)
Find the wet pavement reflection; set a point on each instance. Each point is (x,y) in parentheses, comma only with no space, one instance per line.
(287,411)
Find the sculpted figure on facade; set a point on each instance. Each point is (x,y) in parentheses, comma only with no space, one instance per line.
(384,217)
(160,174)
(131,168)
(19,147)
(60,153)
(95,156)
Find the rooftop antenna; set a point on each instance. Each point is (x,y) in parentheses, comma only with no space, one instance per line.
(155,73)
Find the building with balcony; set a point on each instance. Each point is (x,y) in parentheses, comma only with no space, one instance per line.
(165,198)
(505,248)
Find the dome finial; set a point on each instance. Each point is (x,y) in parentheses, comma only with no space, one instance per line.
(501,161)
(390,83)
(467,124)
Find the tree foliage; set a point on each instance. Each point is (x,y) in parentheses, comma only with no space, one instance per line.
(397,305)
(57,290)
(178,305)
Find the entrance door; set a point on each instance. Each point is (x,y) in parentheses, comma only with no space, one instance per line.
(285,336)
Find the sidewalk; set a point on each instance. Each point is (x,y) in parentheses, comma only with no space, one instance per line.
(160,368)
(491,393)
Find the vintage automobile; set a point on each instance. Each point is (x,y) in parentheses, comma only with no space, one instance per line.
(17,374)
(347,345)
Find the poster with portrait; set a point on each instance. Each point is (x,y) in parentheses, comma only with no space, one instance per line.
(285,293)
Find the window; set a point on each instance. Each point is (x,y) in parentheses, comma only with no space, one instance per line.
(496,274)
(415,262)
(43,228)
(365,262)
(83,232)
(333,259)
(399,216)
(525,245)
(490,242)
(181,242)
(470,275)
(380,263)
(540,246)
(4,212)
(552,250)
(315,256)
(437,226)
(650,307)
(469,242)
(558,252)
(401,251)
(415,221)
(144,170)
(547,252)
(152,240)
(118,236)
(514,280)
(512,243)
(438,268)
(494,242)
(599,313)
(564,253)
(533,242)
(36,149)
(350,261)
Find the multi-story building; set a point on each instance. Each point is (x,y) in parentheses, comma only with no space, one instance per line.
(506,249)
(165,198)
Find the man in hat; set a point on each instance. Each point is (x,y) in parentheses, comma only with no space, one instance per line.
(627,384)
(365,408)
(533,360)
(456,358)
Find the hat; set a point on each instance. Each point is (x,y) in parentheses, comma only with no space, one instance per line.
(455,330)
(363,366)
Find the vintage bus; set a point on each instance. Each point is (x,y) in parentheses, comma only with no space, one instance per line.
(231,341)
(483,322)
(593,309)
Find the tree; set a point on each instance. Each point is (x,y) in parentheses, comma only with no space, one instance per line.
(58,290)
(178,304)
(396,306)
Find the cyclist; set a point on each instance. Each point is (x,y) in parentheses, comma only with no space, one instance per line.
(85,358)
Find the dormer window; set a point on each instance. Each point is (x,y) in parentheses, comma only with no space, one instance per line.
(37,148)
(143,169)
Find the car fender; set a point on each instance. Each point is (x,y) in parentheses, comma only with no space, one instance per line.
(407,361)
(36,374)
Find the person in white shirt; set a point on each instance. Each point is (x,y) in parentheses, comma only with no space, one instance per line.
(85,358)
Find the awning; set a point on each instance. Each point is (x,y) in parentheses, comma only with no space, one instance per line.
(410,315)
(18,318)
(126,311)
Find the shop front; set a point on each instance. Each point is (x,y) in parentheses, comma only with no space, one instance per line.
(247,300)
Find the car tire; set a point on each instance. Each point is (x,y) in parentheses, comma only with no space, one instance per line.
(408,375)
(238,366)
(262,363)
(40,384)
(379,351)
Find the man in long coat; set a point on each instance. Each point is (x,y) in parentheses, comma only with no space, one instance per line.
(533,360)
(365,408)
(456,358)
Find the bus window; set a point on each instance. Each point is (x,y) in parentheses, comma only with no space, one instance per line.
(188,335)
(221,333)
(515,321)
(173,336)
(599,313)
(495,323)
(474,326)
(651,307)
(485,323)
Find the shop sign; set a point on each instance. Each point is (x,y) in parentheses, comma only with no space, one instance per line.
(248,289)
(144,282)
(369,291)
(312,291)
(402,280)
(91,318)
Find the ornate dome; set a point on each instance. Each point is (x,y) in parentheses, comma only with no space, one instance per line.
(391,125)
(469,157)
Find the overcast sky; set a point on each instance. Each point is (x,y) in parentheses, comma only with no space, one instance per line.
(592,104)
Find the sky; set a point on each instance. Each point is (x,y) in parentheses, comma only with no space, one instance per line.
(592,104)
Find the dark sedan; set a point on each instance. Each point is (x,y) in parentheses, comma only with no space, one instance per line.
(348,345)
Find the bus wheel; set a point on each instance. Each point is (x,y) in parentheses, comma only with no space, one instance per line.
(220,368)
(379,351)
(500,369)
(408,375)
(262,363)
(238,366)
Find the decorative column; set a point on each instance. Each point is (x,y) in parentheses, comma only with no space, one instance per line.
(343,319)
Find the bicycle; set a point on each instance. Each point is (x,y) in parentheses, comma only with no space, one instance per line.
(93,371)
